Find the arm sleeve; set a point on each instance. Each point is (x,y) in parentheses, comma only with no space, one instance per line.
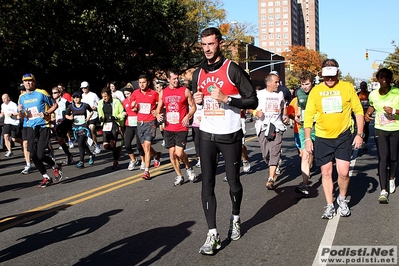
(241,80)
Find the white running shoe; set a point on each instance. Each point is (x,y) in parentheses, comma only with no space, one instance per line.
(191,174)
(246,166)
(343,208)
(392,186)
(142,166)
(212,243)
(178,181)
(383,198)
(71,146)
(26,170)
(132,165)
(97,149)
(8,154)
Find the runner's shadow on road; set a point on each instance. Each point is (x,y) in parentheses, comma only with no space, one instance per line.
(285,198)
(59,233)
(134,250)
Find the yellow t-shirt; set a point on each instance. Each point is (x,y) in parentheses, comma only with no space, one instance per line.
(332,108)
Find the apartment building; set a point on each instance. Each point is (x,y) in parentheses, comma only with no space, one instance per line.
(283,23)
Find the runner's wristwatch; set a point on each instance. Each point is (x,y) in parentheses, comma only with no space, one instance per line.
(362,135)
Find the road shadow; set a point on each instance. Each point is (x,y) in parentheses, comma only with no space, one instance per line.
(59,233)
(134,250)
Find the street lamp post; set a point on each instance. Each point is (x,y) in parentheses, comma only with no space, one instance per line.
(271,61)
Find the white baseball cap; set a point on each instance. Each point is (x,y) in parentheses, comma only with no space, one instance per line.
(329,71)
(84,84)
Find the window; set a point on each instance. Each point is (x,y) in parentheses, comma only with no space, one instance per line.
(285,9)
(271,30)
(278,29)
(271,43)
(263,17)
(271,36)
(271,23)
(278,50)
(271,50)
(264,37)
(278,16)
(278,23)
(263,24)
(271,17)
(264,44)
(263,4)
(278,43)
(277,10)
(285,35)
(278,36)
(270,3)
(285,15)
(285,29)
(264,30)
(263,11)
(271,10)
(285,3)
(285,22)
(277,3)
(286,42)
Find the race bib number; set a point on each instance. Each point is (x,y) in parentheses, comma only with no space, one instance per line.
(145,108)
(132,121)
(173,117)
(385,119)
(272,107)
(79,119)
(107,127)
(211,107)
(332,104)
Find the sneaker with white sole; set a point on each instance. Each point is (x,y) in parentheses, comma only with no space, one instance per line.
(178,181)
(270,183)
(142,166)
(97,149)
(302,189)
(132,165)
(45,182)
(234,230)
(26,170)
(57,170)
(211,244)
(71,146)
(191,174)
(8,154)
(343,208)
(383,198)
(329,212)
(392,186)
(246,166)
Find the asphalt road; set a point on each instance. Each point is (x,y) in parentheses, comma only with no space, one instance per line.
(103,217)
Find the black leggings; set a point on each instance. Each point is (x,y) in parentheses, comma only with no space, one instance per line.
(196,139)
(38,140)
(83,148)
(209,152)
(130,132)
(387,143)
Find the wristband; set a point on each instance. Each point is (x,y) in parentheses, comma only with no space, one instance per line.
(308,139)
(254,112)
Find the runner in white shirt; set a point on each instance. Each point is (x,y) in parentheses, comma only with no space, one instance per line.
(11,128)
(91,99)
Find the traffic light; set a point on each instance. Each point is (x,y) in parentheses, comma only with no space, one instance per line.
(367,55)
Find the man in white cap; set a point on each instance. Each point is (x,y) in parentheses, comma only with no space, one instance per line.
(332,103)
(91,99)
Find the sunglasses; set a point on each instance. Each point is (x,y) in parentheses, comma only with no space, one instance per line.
(55,92)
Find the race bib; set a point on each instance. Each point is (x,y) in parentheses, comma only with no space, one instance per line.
(132,121)
(211,107)
(272,107)
(332,104)
(173,117)
(385,119)
(33,113)
(79,119)
(145,108)
(107,127)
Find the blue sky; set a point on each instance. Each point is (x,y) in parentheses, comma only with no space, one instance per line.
(347,29)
